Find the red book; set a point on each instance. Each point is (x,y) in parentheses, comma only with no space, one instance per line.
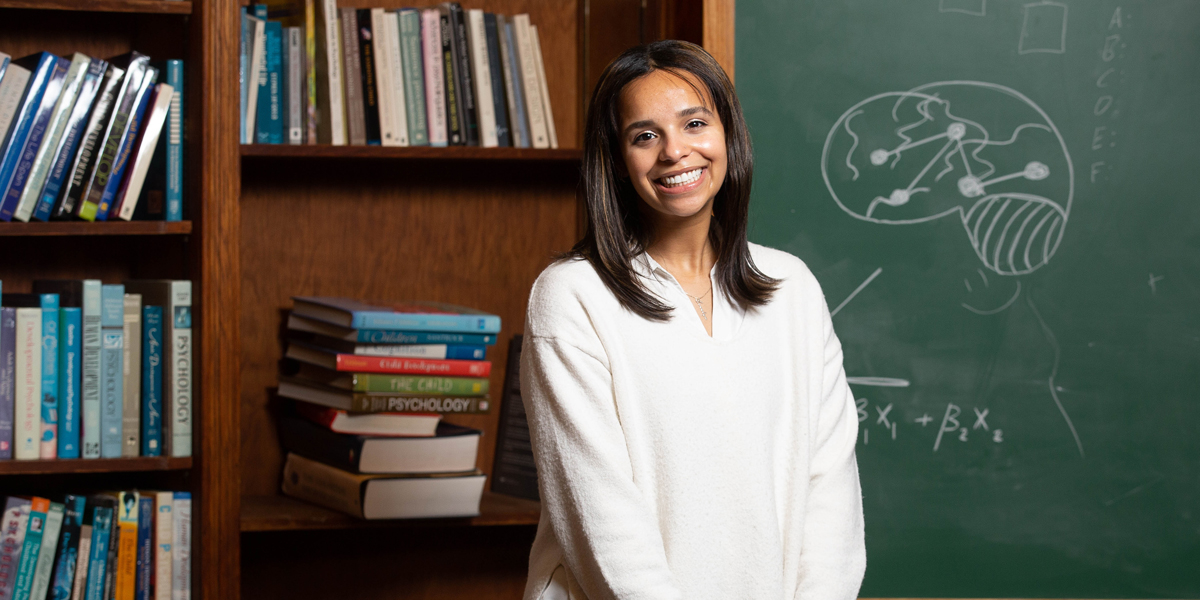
(377,424)
(388,364)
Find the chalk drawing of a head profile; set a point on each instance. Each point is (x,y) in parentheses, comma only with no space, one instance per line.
(980,151)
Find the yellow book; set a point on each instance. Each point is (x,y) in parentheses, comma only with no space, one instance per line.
(125,572)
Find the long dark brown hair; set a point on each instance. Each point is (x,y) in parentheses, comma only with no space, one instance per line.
(617,231)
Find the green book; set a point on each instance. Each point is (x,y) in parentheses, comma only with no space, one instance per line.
(421,385)
(414,78)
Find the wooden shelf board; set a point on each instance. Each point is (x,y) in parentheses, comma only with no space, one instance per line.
(98,465)
(281,513)
(74,228)
(123,6)
(412,152)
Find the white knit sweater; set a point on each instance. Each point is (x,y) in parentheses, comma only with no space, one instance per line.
(673,465)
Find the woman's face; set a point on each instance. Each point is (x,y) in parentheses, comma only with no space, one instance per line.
(673,144)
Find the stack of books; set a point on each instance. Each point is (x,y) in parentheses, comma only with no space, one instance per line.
(87,369)
(121,545)
(370,384)
(80,138)
(315,73)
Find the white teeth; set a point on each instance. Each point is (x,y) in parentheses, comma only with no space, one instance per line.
(682,178)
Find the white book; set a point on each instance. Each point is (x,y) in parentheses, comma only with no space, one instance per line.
(12,88)
(45,561)
(257,69)
(295,84)
(485,107)
(48,151)
(391,28)
(383,80)
(181,547)
(529,83)
(27,401)
(333,71)
(545,89)
(175,296)
(164,533)
(156,118)
(83,558)
(131,370)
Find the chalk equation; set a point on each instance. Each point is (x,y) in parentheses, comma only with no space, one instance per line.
(953,425)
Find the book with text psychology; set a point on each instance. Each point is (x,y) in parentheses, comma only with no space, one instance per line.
(313,392)
(175,296)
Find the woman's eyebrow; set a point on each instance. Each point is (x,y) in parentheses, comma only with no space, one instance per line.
(687,112)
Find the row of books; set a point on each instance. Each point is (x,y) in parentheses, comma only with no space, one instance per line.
(80,138)
(369,386)
(126,545)
(315,73)
(87,370)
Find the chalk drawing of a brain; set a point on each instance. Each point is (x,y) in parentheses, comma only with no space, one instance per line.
(978,150)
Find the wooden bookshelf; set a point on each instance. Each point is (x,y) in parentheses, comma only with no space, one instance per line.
(80,228)
(282,513)
(98,465)
(166,7)
(262,151)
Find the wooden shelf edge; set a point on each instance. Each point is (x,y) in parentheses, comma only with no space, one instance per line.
(410,153)
(80,228)
(281,513)
(171,7)
(98,465)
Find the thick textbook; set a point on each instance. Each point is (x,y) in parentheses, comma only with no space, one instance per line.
(383,497)
(357,363)
(452,449)
(386,336)
(409,316)
(378,424)
(362,402)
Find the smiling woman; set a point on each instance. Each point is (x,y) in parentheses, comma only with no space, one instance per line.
(704,453)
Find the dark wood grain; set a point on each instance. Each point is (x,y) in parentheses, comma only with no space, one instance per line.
(282,513)
(262,151)
(719,30)
(117,6)
(98,465)
(78,228)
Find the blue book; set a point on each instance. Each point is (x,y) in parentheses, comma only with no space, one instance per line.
(8,366)
(521,127)
(37,132)
(152,336)
(34,528)
(112,351)
(410,316)
(387,336)
(145,547)
(70,361)
(144,92)
(102,526)
(68,548)
(70,139)
(49,445)
(460,352)
(269,119)
(4,60)
(174,137)
(41,66)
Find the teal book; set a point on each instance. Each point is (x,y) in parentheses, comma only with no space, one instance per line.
(45,561)
(67,554)
(50,335)
(112,397)
(70,360)
(407,316)
(413,73)
(102,529)
(269,119)
(152,353)
(34,529)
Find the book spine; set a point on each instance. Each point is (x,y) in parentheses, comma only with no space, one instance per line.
(63,159)
(426,322)
(111,380)
(414,84)
(68,548)
(376,36)
(395,77)
(45,560)
(413,384)
(145,548)
(434,79)
(295,85)
(26,399)
(131,375)
(49,391)
(339,450)
(310,72)
(124,567)
(312,483)
(141,100)
(8,366)
(146,152)
(180,370)
(16,196)
(12,537)
(34,532)
(454,126)
(414,366)
(254,72)
(152,336)
(174,127)
(484,101)
(459,405)
(388,336)
(370,87)
(82,564)
(23,121)
(12,90)
(515,87)
(543,87)
(59,120)
(113,138)
(163,533)
(102,524)
(352,73)
(70,329)
(435,351)
(466,78)
(269,122)
(496,75)
(72,194)
(90,371)
(539,138)
(181,548)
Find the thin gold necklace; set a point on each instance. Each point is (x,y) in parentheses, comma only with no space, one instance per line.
(699,305)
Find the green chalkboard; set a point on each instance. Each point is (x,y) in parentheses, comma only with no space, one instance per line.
(1001,200)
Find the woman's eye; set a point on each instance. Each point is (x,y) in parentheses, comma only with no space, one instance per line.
(643,137)
(694,123)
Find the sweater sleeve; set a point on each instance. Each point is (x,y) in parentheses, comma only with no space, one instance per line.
(607,532)
(833,558)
